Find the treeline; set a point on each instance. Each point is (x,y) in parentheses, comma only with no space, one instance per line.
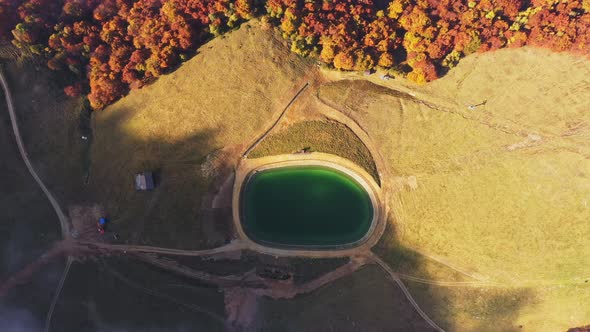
(117,45)
(427,37)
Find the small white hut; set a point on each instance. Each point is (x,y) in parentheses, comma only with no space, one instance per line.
(144,181)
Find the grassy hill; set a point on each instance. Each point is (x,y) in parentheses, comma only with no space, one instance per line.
(211,107)
(500,191)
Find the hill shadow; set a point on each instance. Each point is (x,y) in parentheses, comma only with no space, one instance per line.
(453,306)
(171,214)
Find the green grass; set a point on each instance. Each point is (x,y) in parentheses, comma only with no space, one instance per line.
(321,136)
(50,125)
(28,224)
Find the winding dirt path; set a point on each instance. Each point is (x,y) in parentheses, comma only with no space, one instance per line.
(275,289)
(124,248)
(287,290)
(267,132)
(63,221)
(281,290)
(405,290)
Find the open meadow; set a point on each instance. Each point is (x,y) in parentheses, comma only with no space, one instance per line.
(500,191)
(488,205)
(190,126)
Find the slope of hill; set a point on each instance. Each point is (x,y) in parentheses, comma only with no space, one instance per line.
(501,189)
(498,191)
(221,99)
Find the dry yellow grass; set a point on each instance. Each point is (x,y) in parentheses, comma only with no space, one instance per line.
(532,308)
(222,98)
(502,190)
(510,204)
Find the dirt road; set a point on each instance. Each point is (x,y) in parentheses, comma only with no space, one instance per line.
(405,290)
(63,221)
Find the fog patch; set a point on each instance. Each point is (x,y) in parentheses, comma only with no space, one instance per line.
(18,319)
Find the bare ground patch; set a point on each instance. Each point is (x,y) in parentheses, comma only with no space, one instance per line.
(240,308)
(84,221)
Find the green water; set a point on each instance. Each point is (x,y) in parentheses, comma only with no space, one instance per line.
(305,206)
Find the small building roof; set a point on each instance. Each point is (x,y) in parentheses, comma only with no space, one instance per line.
(144,181)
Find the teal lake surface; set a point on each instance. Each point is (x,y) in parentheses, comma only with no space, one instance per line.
(305,206)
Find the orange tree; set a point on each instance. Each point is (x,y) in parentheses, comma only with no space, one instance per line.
(112,46)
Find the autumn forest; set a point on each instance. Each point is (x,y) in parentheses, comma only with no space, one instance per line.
(112,46)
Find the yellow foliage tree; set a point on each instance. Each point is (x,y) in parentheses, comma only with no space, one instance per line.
(344,60)
(385,60)
(328,51)
(362,60)
(418,76)
(396,7)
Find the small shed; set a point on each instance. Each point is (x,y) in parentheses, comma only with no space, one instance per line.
(144,181)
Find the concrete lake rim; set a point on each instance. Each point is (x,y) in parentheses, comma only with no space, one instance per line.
(247,167)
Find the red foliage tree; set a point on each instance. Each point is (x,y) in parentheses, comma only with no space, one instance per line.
(121,44)
(75,90)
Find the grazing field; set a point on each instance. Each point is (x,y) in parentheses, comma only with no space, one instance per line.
(321,136)
(500,191)
(190,126)
(51,126)
(477,308)
(509,202)
(534,308)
